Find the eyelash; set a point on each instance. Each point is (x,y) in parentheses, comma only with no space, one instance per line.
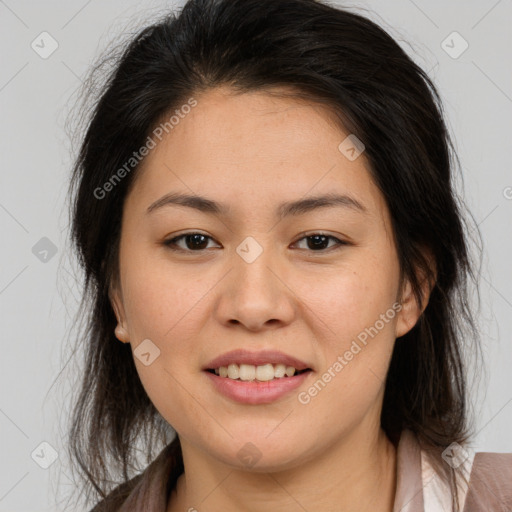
(171,243)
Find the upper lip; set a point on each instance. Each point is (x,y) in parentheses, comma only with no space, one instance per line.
(259,358)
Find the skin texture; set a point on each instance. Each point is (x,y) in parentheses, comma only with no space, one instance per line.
(253,152)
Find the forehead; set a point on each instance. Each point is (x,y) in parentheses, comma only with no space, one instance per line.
(241,147)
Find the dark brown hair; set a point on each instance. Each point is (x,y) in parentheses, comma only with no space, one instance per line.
(323,54)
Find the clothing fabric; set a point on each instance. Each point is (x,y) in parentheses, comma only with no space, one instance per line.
(418,487)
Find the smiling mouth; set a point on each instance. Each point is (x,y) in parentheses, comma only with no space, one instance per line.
(262,373)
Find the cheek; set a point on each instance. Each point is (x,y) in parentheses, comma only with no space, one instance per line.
(355,323)
(161,299)
(356,312)
(354,297)
(164,307)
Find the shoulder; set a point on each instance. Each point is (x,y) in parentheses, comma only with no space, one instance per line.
(490,483)
(483,479)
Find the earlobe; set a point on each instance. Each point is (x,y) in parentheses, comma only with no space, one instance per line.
(120,330)
(411,310)
(121,333)
(409,313)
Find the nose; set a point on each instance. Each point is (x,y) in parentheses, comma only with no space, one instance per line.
(256,294)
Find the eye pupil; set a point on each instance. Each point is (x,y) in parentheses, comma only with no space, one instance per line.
(319,241)
(196,237)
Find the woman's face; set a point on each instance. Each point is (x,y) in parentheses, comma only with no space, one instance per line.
(251,280)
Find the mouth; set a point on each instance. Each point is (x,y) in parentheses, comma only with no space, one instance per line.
(256,378)
(256,387)
(261,373)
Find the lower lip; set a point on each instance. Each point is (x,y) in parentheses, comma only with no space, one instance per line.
(256,392)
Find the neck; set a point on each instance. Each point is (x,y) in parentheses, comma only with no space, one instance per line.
(358,473)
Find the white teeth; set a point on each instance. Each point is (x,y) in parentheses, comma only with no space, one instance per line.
(248,372)
(233,371)
(279,370)
(265,372)
(290,370)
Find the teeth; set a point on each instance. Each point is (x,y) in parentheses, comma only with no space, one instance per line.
(279,370)
(290,370)
(265,372)
(234,372)
(248,372)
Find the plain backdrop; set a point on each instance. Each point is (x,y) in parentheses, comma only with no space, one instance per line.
(38,297)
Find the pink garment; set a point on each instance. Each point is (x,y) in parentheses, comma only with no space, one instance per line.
(418,487)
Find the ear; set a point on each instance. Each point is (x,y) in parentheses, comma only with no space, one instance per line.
(121,330)
(411,311)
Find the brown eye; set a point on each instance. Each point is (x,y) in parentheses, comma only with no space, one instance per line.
(194,242)
(197,242)
(319,242)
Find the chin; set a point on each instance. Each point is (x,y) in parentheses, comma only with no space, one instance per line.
(259,454)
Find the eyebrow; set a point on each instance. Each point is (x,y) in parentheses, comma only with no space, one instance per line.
(293,208)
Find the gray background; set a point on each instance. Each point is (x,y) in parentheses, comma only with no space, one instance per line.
(39,298)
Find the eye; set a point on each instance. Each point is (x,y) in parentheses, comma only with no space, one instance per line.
(196,242)
(318,241)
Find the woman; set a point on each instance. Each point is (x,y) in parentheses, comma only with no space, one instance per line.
(276,265)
